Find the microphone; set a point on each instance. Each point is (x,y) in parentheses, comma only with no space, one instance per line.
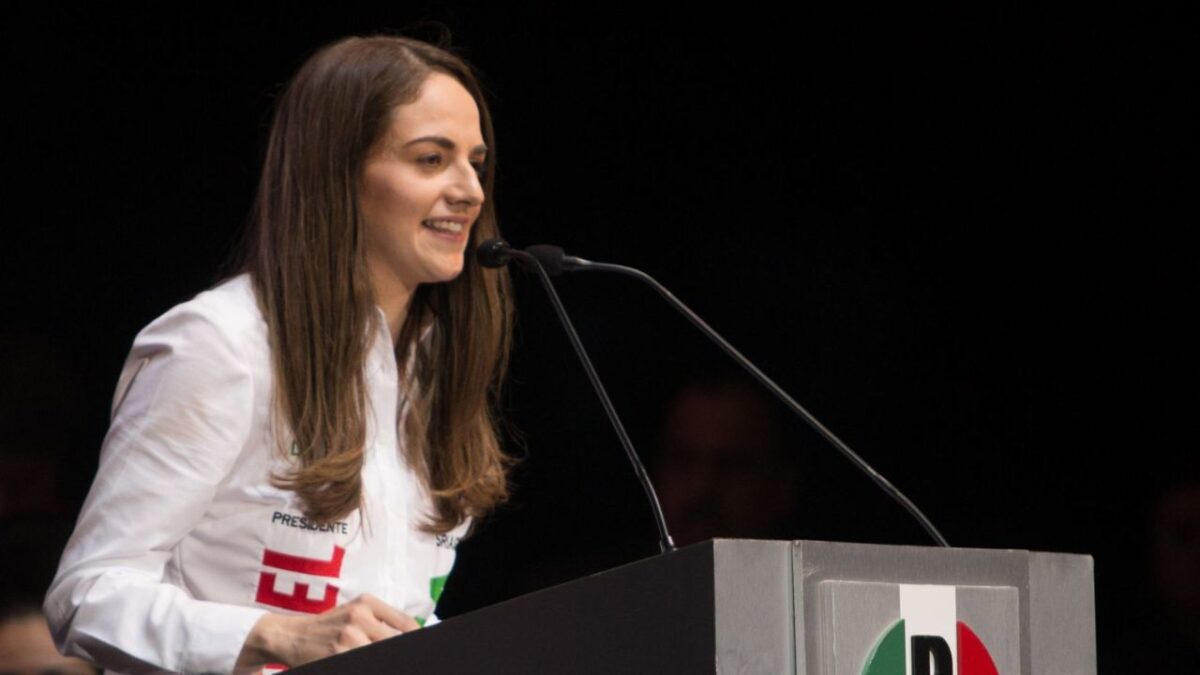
(553,258)
(495,253)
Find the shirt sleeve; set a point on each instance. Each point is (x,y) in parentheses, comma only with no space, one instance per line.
(182,415)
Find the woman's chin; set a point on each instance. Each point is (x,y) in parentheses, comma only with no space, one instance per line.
(445,273)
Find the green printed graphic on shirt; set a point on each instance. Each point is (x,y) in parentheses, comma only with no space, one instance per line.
(436,586)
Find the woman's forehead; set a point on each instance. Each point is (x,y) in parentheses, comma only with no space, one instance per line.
(443,107)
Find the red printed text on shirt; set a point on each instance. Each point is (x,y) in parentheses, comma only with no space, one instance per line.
(298,600)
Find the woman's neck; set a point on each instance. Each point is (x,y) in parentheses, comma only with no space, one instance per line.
(394,303)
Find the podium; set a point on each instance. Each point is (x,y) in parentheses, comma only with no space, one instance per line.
(803,607)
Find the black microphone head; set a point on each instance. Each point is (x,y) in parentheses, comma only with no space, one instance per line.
(494,253)
(551,257)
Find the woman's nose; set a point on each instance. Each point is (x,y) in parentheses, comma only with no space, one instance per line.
(467,188)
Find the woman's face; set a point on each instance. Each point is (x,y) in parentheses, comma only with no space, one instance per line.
(421,191)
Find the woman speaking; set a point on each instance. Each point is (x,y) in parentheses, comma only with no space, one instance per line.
(295,453)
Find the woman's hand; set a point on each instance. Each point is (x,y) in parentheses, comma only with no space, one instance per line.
(296,640)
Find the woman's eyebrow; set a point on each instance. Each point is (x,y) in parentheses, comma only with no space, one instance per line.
(446,143)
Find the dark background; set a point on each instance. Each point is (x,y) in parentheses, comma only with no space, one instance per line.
(964,239)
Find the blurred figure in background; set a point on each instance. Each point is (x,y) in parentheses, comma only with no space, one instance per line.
(723,468)
(1161,634)
(26,647)
(39,419)
(39,415)
(1175,573)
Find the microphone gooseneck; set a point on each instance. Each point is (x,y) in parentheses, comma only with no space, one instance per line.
(497,253)
(557,258)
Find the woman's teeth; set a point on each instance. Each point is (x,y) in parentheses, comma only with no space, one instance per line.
(449,226)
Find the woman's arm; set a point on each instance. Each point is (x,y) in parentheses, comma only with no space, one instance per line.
(182,416)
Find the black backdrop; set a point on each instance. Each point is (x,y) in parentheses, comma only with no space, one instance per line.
(963,238)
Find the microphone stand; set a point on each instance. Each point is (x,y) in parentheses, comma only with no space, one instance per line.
(666,544)
(556,261)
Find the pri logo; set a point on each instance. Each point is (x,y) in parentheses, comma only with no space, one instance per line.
(929,639)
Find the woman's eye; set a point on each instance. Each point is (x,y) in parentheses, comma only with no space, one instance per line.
(430,160)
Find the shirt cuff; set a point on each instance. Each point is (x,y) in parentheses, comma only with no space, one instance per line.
(216,634)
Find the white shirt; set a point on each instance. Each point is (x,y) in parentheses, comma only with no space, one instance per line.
(183,543)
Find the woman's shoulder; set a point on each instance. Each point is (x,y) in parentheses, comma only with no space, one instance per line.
(226,314)
(216,338)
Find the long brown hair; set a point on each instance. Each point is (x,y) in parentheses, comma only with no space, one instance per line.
(305,254)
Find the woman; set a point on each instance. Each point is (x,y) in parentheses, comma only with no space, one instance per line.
(295,453)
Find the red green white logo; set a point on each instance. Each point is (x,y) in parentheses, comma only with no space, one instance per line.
(929,639)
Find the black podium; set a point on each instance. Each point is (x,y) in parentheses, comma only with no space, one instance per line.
(805,607)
